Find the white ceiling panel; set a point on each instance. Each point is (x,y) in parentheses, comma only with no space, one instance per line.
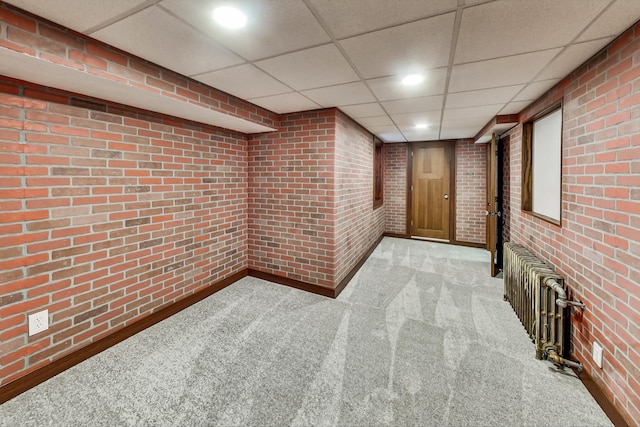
(79,15)
(534,90)
(371,109)
(431,118)
(161,38)
(564,63)
(391,136)
(485,111)
(482,97)
(265,19)
(458,132)
(234,81)
(349,17)
(285,103)
(409,48)
(413,105)
(617,18)
(389,88)
(375,121)
(514,107)
(311,68)
(508,71)
(429,134)
(511,27)
(340,95)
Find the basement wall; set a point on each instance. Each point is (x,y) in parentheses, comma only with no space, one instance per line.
(107,214)
(395,188)
(597,249)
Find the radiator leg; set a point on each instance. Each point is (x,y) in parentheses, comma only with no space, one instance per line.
(551,355)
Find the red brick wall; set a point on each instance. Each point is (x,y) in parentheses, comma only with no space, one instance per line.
(291,199)
(107,215)
(358,225)
(597,249)
(395,188)
(471,189)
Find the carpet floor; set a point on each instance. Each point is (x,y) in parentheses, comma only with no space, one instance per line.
(420,336)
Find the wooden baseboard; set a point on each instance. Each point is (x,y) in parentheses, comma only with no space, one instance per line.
(450,242)
(22,384)
(607,406)
(316,289)
(357,267)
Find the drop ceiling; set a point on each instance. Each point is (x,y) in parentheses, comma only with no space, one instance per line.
(480,58)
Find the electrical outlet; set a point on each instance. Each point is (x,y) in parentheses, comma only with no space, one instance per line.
(38,322)
(596,354)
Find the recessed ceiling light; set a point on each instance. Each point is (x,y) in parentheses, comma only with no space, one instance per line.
(422,126)
(412,80)
(229,17)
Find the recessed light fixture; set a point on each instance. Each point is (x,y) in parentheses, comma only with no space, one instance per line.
(422,126)
(412,80)
(229,17)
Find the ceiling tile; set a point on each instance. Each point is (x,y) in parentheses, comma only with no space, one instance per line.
(391,137)
(571,58)
(412,105)
(310,68)
(350,17)
(350,93)
(408,48)
(155,35)
(617,18)
(495,29)
(234,81)
(363,110)
(429,134)
(375,121)
(514,107)
(534,90)
(507,71)
(486,112)
(389,88)
(265,20)
(79,15)
(411,119)
(458,132)
(477,123)
(285,103)
(482,97)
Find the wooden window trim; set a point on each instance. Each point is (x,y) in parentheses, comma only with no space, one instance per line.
(378,173)
(526,204)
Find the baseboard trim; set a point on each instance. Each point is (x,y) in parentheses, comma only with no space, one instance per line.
(32,379)
(607,406)
(292,283)
(450,242)
(343,283)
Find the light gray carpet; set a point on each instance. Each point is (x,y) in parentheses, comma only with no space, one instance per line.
(420,336)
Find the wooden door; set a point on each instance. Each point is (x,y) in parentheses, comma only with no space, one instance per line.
(492,202)
(430,190)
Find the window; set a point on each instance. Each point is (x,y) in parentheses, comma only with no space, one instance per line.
(378,173)
(542,165)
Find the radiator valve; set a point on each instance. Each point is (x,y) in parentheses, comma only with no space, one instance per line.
(550,354)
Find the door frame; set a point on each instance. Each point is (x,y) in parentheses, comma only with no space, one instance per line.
(452,186)
(494,202)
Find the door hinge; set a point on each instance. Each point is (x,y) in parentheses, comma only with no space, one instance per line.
(412,188)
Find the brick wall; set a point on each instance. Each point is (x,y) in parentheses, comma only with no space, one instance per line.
(358,225)
(597,249)
(471,189)
(395,188)
(107,215)
(291,199)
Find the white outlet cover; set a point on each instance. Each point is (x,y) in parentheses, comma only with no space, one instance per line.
(596,354)
(38,322)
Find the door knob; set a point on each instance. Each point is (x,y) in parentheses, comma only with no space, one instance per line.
(446,196)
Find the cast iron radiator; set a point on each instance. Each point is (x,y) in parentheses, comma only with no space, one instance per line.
(538,296)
